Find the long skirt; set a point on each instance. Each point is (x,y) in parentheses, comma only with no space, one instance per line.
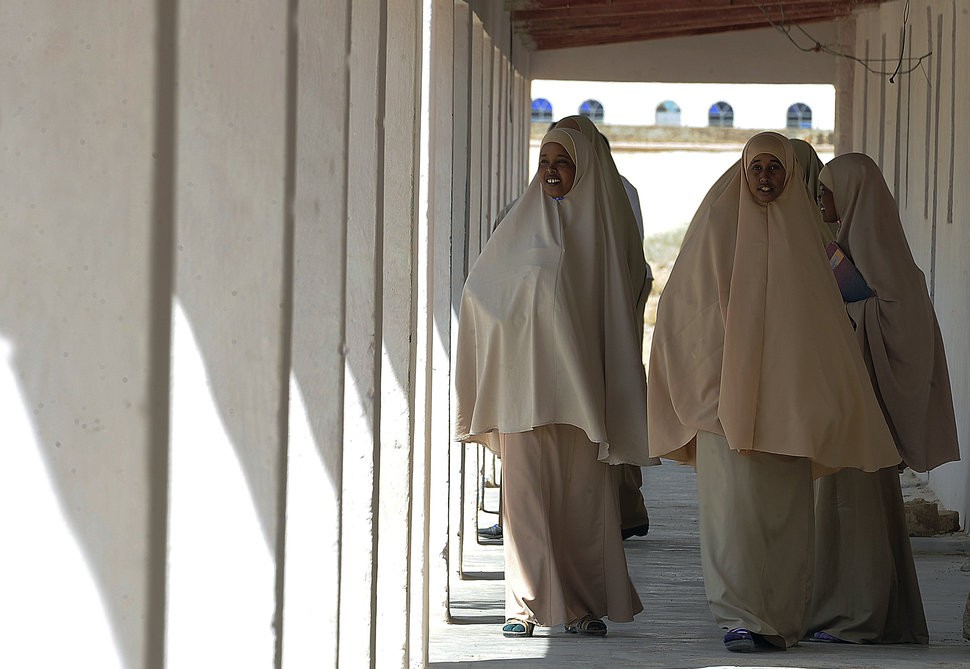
(757,539)
(561,528)
(866,590)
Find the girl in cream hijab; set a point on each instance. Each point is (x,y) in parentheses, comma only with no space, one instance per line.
(755,378)
(866,590)
(549,377)
(812,166)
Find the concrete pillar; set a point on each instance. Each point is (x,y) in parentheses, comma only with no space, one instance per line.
(844,87)
(440,237)
(316,405)
(401,164)
(461,162)
(476,104)
(84,198)
(228,376)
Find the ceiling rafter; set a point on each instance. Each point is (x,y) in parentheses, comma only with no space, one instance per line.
(551,24)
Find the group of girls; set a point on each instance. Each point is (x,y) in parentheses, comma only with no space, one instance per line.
(795,408)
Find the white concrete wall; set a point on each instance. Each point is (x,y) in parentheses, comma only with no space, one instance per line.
(916,129)
(228,308)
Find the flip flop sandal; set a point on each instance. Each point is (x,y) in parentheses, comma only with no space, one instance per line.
(739,640)
(587,625)
(515,628)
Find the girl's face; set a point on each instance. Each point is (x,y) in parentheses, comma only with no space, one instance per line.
(556,170)
(826,203)
(765,177)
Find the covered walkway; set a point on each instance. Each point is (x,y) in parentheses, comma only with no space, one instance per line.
(676,628)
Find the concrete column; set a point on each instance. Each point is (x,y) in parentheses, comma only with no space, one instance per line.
(488,125)
(395,605)
(316,398)
(461,161)
(844,87)
(363,334)
(228,344)
(440,222)
(476,235)
(79,215)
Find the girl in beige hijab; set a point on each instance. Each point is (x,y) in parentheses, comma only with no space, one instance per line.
(549,377)
(628,479)
(755,379)
(812,166)
(866,590)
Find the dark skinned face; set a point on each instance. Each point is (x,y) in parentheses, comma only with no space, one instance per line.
(556,170)
(826,204)
(765,177)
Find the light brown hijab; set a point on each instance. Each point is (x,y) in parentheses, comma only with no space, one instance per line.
(897,328)
(625,223)
(811,166)
(751,340)
(546,331)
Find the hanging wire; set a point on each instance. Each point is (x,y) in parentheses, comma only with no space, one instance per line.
(785,27)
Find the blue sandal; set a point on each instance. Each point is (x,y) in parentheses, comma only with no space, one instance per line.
(515,628)
(739,640)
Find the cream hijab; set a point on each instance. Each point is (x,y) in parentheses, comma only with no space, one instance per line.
(897,328)
(751,340)
(811,166)
(624,220)
(546,331)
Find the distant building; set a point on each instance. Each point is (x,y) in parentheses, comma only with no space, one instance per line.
(757,106)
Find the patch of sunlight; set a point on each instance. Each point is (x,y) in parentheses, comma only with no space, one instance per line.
(52,613)
(312,546)
(221,576)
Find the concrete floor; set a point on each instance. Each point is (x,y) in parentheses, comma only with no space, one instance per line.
(676,628)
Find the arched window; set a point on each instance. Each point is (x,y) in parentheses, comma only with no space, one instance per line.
(799,116)
(720,115)
(668,113)
(592,110)
(541,110)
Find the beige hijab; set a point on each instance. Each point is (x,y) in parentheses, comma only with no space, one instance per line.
(624,220)
(897,328)
(751,340)
(546,331)
(811,166)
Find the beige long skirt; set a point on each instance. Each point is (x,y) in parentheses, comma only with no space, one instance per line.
(866,589)
(563,552)
(757,537)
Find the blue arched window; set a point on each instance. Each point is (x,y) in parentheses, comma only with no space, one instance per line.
(720,115)
(668,113)
(799,116)
(541,110)
(592,110)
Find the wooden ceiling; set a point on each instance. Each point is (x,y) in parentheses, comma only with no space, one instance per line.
(554,24)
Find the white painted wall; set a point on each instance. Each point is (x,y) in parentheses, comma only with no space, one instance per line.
(916,130)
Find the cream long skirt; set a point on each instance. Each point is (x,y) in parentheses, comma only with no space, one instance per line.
(866,590)
(563,552)
(757,538)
